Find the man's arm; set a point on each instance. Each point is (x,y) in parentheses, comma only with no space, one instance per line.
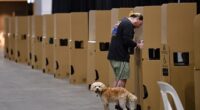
(127,36)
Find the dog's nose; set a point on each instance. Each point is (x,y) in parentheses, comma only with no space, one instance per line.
(97,90)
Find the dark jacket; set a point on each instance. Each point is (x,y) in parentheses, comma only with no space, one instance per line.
(119,49)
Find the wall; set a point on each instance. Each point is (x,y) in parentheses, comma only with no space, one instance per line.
(42,7)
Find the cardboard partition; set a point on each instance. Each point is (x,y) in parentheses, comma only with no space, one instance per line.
(100,25)
(102,64)
(165,64)
(79,26)
(61,45)
(98,21)
(32,57)
(78,62)
(48,25)
(78,47)
(78,66)
(62,25)
(196,41)
(5,35)
(139,87)
(6,43)
(6,50)
(22,24)
(147,63)
(48,44)
(61,60)
(9,38)
(37,58)
(22,47)
(92,27)
(37,42)
(12,46)
(17,52)
(130,86)
(91,73)
(33,42)
(29,39)
(99,29)
(178,38)
(38,53)
(48,55)
(197,61)
(12,37)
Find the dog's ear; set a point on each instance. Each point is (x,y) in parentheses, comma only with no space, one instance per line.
(103,86)
(89,87)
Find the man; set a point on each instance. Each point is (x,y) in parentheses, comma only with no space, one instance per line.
(122,45)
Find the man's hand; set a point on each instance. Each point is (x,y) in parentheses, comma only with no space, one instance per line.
(140,44)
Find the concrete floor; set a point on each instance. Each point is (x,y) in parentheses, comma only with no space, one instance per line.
(22,88)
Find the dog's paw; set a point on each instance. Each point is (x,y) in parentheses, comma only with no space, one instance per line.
(117,107)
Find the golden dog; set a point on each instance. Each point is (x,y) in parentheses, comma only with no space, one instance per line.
(115,94)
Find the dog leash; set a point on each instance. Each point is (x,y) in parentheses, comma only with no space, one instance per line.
(120,74)
(141,41)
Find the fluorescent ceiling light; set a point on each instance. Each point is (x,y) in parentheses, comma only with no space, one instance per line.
(30,1)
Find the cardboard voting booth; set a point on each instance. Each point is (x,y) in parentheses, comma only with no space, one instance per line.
(147,60)
(99,29)
(48,44)
(29,39)
(12,36)
(177,36)
(5,35)
(61,45)
(21,38)
(78,47)
(91,74)
(37,42)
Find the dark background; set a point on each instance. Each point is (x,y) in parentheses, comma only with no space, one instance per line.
(60,6)
(17,8)
(63,6)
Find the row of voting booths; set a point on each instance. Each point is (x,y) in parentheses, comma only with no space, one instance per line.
(75,46)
